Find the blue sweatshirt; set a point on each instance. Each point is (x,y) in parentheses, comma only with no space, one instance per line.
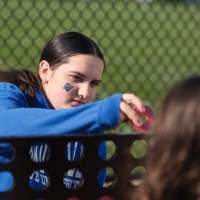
(17,118)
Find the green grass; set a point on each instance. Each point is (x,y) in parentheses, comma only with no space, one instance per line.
(147,47)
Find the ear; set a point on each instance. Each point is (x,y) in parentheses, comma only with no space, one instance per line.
(44,71)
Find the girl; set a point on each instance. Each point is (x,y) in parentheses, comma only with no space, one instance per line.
(57,101)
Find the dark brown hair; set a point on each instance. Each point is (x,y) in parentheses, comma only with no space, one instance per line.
(68,44)
(173,164)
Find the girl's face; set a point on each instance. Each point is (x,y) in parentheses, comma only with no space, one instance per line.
(82,72)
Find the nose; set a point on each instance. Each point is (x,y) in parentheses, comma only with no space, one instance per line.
(84,91)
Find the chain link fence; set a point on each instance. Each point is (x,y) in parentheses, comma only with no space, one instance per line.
(147,44)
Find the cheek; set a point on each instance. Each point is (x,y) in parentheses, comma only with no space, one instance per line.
(57,89)
(59,94)
(92,95)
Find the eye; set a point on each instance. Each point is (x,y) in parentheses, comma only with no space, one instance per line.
(94,84)
(77,78)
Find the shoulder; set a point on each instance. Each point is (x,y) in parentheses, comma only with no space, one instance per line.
(11,93)
(9,86)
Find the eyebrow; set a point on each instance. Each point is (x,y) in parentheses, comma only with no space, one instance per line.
(80,74)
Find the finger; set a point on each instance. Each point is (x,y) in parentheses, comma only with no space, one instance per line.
(133,99)
(130,113)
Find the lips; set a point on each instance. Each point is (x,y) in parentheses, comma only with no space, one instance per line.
(77,102)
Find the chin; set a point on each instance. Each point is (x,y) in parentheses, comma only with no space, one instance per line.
(63,107)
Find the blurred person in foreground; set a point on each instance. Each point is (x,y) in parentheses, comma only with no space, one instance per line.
(173,161)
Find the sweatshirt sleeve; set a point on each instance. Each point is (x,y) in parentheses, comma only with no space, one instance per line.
(17,119)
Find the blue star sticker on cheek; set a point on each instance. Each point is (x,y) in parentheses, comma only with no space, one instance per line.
(67,87)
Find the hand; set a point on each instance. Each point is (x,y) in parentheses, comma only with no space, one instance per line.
(126,111)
